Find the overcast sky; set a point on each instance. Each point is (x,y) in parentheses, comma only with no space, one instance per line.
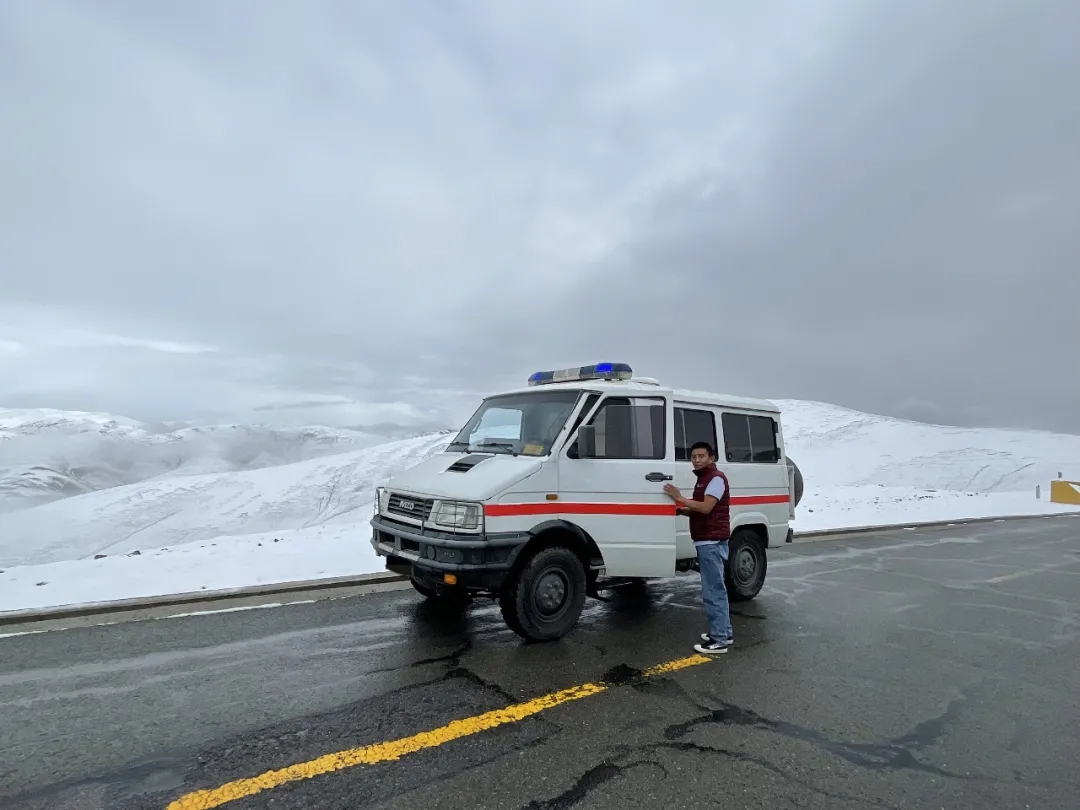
(352,213)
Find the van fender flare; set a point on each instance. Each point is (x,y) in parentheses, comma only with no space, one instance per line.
(588,545)
(751,519)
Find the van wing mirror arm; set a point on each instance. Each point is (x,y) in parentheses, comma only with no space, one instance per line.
(586,441)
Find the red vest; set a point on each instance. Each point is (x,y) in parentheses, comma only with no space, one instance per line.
(717,524)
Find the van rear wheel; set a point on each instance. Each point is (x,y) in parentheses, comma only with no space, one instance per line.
(744,574)
(543,599)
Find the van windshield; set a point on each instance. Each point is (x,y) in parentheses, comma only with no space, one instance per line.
(525,424)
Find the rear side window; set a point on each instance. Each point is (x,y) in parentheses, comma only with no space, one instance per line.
(692,426)
(750,439)
(630,428)
(763,447)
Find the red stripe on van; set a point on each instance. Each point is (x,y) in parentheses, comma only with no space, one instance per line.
(567,508)
(751,500)
(596,508)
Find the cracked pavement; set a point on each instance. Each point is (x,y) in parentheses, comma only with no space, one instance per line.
(902,669)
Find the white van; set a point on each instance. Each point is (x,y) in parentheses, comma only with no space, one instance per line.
(554,492)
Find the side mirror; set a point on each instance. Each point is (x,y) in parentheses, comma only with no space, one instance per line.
(586,441)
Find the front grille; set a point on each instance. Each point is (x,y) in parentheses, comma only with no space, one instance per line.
(407,506)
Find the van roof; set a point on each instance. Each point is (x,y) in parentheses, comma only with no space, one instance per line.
(729,400)
(647,385)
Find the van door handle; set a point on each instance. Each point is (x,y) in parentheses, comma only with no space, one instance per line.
(655,476)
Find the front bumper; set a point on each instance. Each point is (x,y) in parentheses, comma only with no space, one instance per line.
(479,561)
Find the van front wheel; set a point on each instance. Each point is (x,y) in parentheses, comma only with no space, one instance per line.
(744,574)
(543,599)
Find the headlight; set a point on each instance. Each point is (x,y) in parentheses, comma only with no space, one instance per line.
(382,498)
(457,515)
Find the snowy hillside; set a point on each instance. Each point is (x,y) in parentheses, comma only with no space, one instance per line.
(46,455)
(841,447)
(227,528)
(176,509)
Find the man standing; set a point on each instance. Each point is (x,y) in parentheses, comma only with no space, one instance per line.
(710,528)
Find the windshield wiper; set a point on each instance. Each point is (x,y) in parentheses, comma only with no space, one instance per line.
(509,446)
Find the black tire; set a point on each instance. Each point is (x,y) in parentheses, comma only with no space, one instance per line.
(543,599)
(744,574)
(798,479)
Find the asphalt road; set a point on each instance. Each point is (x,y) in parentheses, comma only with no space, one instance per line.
(909,669)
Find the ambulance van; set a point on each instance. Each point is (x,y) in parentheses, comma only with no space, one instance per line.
(554,492)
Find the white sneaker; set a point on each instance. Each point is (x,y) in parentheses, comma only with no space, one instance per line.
(707,637)
(712,647)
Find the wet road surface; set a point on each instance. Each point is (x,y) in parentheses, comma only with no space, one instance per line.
(903,669)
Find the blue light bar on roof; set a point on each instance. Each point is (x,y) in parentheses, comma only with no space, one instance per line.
(599,371)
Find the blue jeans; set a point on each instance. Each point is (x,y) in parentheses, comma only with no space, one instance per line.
(711,560)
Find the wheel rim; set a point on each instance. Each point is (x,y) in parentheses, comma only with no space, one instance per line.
(549,594)
(744,566)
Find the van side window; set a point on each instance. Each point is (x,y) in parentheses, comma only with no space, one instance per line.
(692,426)
(763,440)
(750,439)
(630,427)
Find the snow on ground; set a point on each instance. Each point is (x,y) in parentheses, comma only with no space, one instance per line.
(848,507)
(225,562)
(309,519)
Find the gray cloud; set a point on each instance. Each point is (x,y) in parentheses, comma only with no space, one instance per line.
(346,214)
(910,246)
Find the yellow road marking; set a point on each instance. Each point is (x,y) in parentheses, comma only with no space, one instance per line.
(676,665)
(396,749)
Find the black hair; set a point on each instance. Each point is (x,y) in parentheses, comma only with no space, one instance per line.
(708,448)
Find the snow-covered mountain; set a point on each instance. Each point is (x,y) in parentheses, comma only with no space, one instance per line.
(30,422)
(858,468)
(837,446)
(175,509)
(46,455)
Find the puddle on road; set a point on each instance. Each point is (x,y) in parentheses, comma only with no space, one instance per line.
(621,674)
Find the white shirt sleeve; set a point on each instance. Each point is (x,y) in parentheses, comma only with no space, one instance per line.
(716,488)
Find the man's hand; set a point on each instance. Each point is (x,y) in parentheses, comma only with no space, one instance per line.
(673,492)
(688,507)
